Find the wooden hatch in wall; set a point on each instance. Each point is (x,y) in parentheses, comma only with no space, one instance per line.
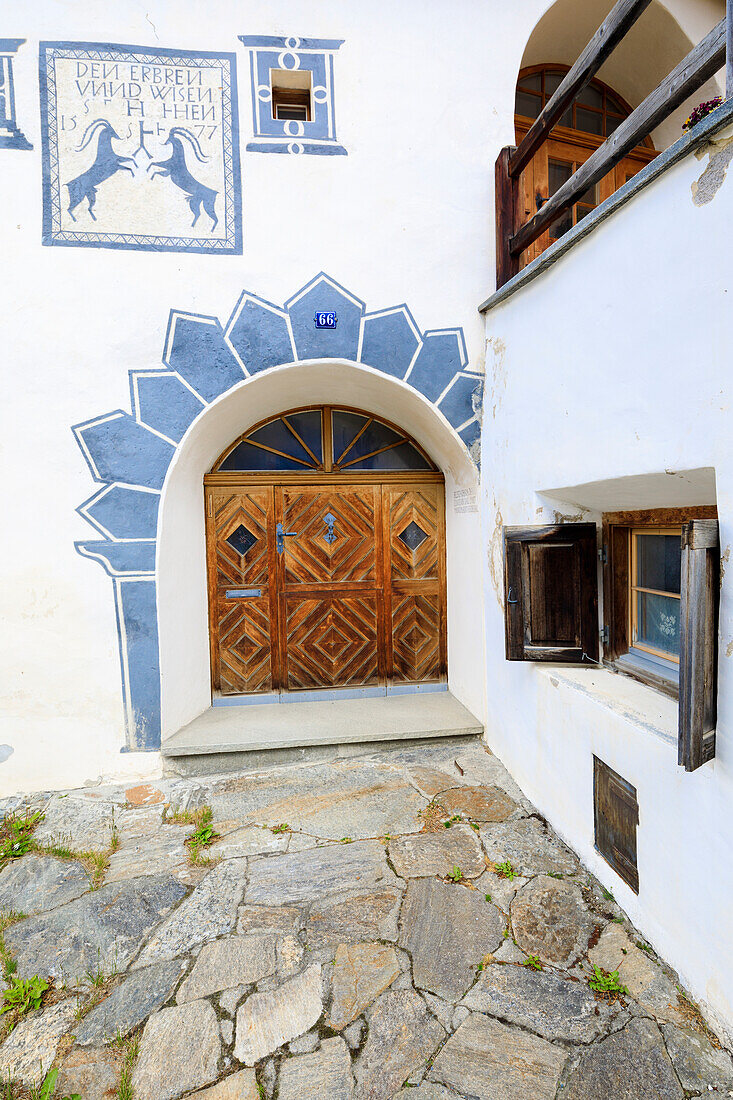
(325,532)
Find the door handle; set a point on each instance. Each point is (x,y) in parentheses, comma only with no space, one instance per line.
(281,534)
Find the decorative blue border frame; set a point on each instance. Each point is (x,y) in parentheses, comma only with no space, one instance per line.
(317,137)
(129,452)
(11,136)
(53,234)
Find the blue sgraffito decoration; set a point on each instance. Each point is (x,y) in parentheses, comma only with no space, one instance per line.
(311,56)
(129,453)
(10,136)
(326,320)
(140,148)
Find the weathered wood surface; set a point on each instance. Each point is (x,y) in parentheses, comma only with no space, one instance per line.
(612,30)
(506,198)
(698,66)
(698,643)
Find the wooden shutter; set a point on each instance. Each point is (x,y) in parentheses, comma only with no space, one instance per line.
(616,813)
(551,593)
(698,642)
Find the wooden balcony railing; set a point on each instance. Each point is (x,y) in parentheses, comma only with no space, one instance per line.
(692,72)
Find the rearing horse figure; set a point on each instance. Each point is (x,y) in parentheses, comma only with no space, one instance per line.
(199,196)
(106,163)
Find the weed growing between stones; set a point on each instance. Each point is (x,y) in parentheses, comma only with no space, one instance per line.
(451,821)
(11,1090)
(607,982)
(533,961)
(505,870)
(16,835)
(95,862)
(279,829)
(23,995)
(456,875)
(130,1048)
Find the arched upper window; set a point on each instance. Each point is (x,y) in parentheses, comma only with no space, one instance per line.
(325,439)
(591,118)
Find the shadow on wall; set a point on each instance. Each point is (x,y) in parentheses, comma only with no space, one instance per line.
(130,453)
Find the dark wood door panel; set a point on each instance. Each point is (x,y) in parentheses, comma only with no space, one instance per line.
(416,637)
(335,535)
(331,641)
(242,525)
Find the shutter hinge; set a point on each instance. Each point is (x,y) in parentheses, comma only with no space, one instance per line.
(603,554)
(605,635)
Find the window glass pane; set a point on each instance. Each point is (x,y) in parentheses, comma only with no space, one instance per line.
(245,457)
(658,622)
(558,172)
(590,196)
(658,562)
(403,457)
(286,111)
(532,83)
(553,80)
(375,437)
(276,435)
(591,97)
(528,104)
(588,121)
(344,427)
(566,119)
(581,211)
(308,427)
(612,123)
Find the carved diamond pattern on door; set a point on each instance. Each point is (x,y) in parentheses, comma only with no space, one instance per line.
(350,514)
(331,642)
(244,646)
(418,506)
(243,658)
(416,636)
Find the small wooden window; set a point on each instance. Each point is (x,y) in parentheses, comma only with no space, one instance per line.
(616,812)
(291,94)
(654,592)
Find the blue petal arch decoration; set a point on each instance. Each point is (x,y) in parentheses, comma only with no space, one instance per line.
(129,453)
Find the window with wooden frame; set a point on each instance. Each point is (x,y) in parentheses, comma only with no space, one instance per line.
(291,94)
(661,588)
(583,128)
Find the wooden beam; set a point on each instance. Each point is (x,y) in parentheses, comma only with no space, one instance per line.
(611,31)
(506,194)
(700,64)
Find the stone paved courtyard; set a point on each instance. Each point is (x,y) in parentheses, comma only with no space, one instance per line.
(354,931)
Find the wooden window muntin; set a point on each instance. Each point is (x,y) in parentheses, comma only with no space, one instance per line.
(635,589)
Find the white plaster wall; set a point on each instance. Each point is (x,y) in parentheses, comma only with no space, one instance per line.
(424,101)
(618,394)
(182,607)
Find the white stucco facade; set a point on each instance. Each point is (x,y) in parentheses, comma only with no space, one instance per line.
(605,389)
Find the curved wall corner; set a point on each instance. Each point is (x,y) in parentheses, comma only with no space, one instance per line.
(130,453)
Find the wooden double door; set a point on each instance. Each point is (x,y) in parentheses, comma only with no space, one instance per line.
(322,582)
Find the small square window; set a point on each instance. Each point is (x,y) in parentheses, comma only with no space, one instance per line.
(291,94)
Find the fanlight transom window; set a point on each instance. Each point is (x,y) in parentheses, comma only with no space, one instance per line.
(327,439)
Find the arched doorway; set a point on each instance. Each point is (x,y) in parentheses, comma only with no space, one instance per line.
(586,124)
(325,533)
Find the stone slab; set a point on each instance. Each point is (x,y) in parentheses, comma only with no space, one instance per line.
(238,1086)
(28,1052)
(485,1058)
(543,1001)
(629,1064)
(484,804)
(82,824)
(361,972)
(246,840)
(326,1073)
(227,962)
(355,918)
(209,912)
(529,846)
(307,876)
(100,931)
(432,781)
(447,929)
(267,1020)
(37,883)
(427,1091)
(402,1036)
(162,849)
(91,1074)
(549,919)
(264,918)
(130,1003)
(696,1061)
(438,853)
(179,1051)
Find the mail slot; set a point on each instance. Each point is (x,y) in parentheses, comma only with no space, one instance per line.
(243,593)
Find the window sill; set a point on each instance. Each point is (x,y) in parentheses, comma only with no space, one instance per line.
(646,671)
(636,703)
